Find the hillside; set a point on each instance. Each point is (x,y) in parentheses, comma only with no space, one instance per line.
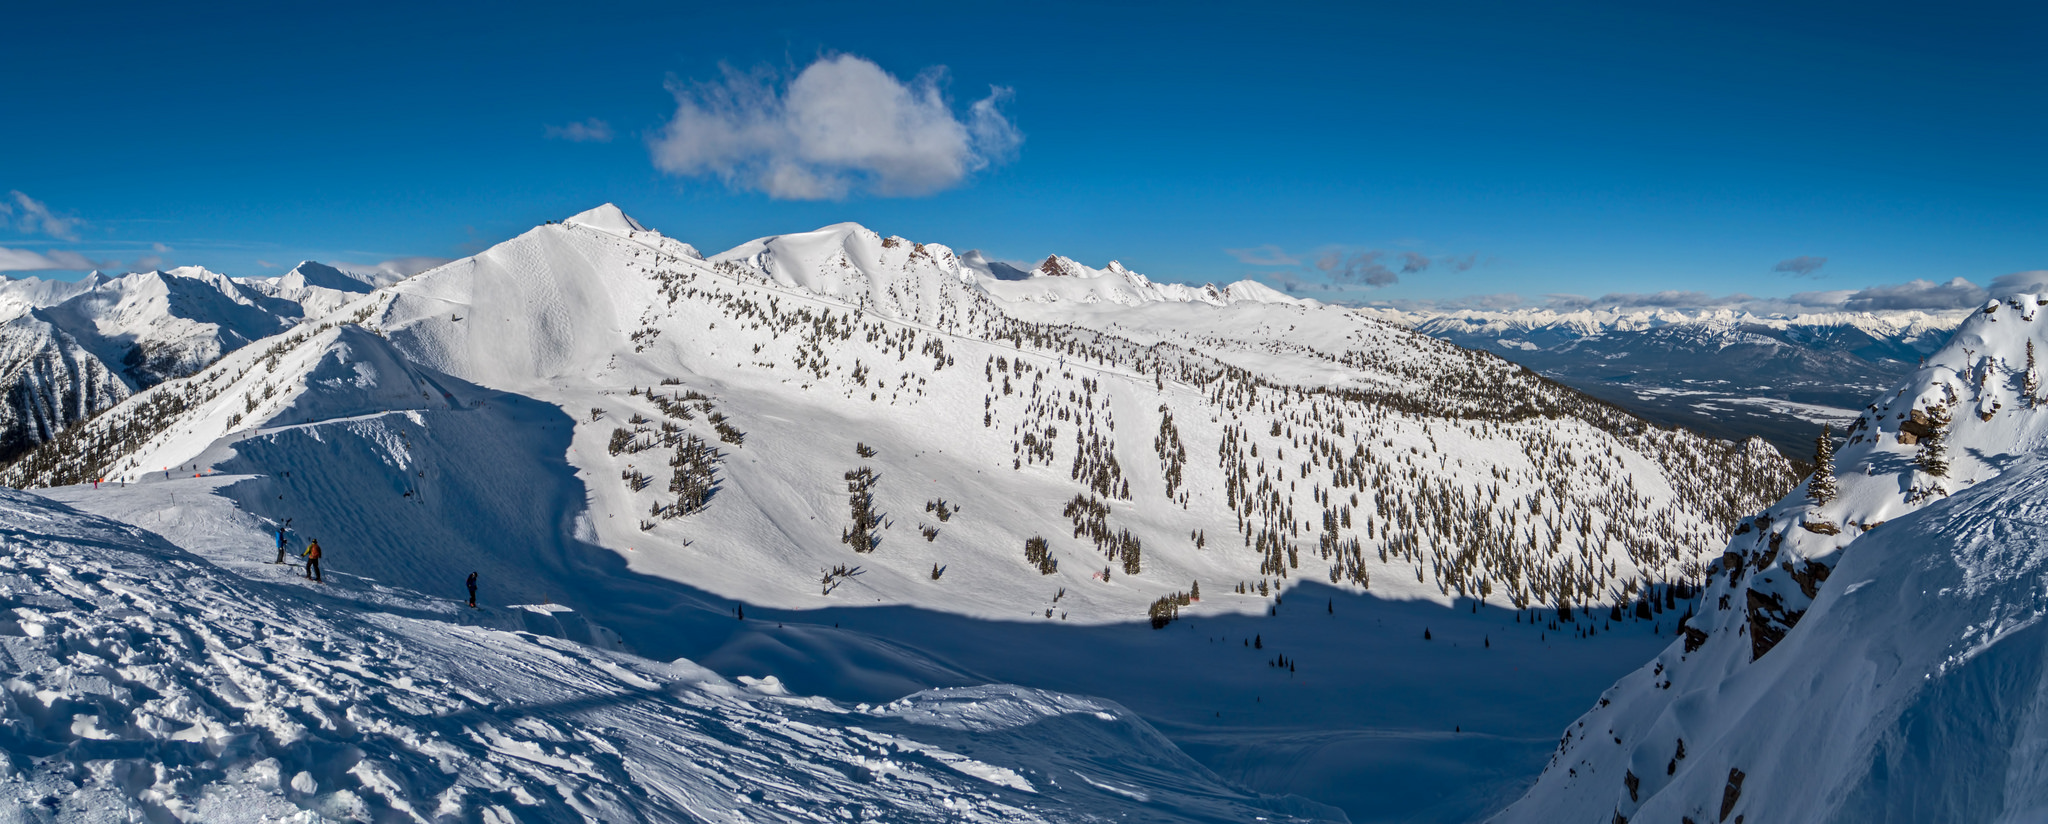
(1871,654)
(979,478)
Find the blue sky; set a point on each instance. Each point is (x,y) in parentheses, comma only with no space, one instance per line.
(1419,152)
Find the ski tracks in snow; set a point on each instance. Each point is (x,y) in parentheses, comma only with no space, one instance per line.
(145,682)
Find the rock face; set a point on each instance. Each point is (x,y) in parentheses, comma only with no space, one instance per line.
(47,382)
(69,350)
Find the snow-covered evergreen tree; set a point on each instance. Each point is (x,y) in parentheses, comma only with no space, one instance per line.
(2032,381)
(1821,487)
(1933,456)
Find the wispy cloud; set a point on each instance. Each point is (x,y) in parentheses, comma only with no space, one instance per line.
(32,216)
(1803,266)
(587,131)
(24,260)
(1917,294)
(396,268)
(843,125)
(2033,282)
(1357,268)
(1264,255)
(1456,263)
(1348,272)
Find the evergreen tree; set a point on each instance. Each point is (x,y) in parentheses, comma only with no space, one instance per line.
(1933,457)
(2032,380)
(1821,487)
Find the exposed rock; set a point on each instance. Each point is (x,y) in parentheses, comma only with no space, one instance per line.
(1821,527)
(1916,426)
(1810,576)
(1768,622)
(1732,793)
(1694,638)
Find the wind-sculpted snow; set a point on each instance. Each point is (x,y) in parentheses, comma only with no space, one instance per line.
(145,683)
(1866,648)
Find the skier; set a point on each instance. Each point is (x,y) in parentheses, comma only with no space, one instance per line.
(312,554)
(280,543)
(472,590)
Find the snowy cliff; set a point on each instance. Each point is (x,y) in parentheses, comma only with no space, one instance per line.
(1868,648)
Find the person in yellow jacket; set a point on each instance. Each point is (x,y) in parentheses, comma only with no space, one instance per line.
(312,555)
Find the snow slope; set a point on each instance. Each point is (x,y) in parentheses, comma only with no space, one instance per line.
(594,415)
(1876,656)
(146,683)
(72,350)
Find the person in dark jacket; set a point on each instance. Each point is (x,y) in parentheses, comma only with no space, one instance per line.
(472,590)
(313,561)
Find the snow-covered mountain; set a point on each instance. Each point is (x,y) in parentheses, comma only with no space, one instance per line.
(1724,372)
(979,474)
(71,349)
(1868,648)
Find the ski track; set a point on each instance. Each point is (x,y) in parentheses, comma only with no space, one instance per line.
(148,684)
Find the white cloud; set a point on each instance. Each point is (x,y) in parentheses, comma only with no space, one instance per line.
(23,260)
(26,214)
(841,125)
(1919,294)
(411,265)
(2032,282)
(588,131)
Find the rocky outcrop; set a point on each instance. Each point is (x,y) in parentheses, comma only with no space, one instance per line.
(47,382)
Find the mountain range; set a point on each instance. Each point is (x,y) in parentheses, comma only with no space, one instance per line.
(867,467)
(1722,372)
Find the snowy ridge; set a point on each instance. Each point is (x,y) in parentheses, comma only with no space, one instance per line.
(1061,279)
(75,349)
(791,357)
(839,424)
(149,683)
(1834,635)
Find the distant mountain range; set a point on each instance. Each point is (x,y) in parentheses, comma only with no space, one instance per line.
(1724,373)
(70,349)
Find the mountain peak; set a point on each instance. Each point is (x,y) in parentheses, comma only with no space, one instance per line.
(315,273)
(609,218)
